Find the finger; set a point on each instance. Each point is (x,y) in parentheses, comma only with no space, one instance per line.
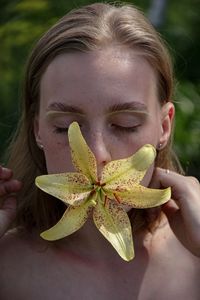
(185,192)
(185,220)
(181,185)
(170,208)
(162,178)
(9,187)
(5,173)
(7,214)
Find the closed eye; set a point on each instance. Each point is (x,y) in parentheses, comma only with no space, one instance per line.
(60,129)
(126,129)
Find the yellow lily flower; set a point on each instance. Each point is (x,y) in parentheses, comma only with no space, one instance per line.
(85,193)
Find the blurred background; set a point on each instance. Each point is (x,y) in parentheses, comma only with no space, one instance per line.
(22,22)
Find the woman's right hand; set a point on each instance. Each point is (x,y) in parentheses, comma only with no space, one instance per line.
(8,189)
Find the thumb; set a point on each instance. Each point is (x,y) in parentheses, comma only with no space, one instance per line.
(7,214)
(170,208)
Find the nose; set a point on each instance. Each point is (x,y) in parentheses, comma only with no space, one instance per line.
(100,146)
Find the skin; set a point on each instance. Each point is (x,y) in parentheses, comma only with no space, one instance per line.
(95,82)
(100,127)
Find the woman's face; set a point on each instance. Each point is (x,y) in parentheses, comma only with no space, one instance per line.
(112,94)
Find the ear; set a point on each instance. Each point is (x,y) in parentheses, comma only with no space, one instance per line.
(167,116)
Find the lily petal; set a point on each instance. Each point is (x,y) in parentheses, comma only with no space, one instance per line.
(128,171)
(71,188)
(142,197)
(113,222)
(72,220)
(82,157)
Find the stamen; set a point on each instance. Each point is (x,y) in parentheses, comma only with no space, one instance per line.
(99,183)
(117,198)
(105,200)
(93,191)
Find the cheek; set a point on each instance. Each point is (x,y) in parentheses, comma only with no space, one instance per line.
(134,142)
(57,153)
(150,134)
(57,158)
(147,178)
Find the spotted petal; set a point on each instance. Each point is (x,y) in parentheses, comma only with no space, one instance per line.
(71,188)
(72,220)
(82,157)
(128,171)
(113,222)
(142,197)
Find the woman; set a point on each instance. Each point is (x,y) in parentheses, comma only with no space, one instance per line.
(105,67)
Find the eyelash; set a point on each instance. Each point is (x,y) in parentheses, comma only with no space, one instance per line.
(62,130)
(125,129)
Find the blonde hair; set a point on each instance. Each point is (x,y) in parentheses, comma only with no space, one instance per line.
(85,29)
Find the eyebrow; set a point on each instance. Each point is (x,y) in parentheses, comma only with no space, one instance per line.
(61,107)
(135,107)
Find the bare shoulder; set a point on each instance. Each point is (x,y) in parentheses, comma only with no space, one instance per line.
(27,263)
(11,246)
(20,258)
(14,245)
(173,263)
(170,249)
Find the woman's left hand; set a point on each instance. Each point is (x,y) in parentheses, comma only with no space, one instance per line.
(183,210)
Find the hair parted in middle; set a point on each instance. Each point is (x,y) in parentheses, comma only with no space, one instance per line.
(89,28)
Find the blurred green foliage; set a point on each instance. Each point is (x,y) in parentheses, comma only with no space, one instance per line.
(22,22)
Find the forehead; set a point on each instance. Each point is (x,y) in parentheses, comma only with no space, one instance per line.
(98,77)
